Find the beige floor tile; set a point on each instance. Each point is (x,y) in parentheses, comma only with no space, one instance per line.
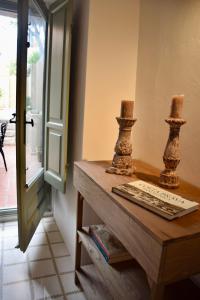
(10,231)
(38,252)
(50,227)
(76,296)
(38,239)
(10,242)
(15,273)
(59,249)
(64,264)
(68,283)
(48,220)
(55,237)
(13,256)
(18,291)
(40,228)
(42,268)
(46,287)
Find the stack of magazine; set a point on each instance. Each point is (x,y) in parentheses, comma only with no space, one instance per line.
(155,199)
(110,247)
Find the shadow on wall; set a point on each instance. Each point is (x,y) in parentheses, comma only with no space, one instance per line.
(168,64)
(77,79)
(65,204)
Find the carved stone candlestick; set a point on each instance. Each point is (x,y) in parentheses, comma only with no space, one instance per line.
(122,163)
(171,158)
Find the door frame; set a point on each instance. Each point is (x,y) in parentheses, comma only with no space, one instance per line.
(7,214)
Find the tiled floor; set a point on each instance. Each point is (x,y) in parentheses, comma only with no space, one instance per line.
(45,271)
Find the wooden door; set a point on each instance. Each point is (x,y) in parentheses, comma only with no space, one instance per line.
(42,108)
(32,193)
(56,125)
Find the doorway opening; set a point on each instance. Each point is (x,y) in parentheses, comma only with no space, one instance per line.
(40,68)
(34,104)
(8,53)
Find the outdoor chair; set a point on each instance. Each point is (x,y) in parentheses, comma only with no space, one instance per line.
(2,136)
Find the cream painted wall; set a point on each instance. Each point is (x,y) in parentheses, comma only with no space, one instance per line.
(111,72)
(103,70)
(168,63)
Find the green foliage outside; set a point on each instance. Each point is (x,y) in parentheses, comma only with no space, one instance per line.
(12,68)
(28,103)
(33,58)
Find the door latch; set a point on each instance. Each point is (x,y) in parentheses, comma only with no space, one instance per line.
(12,120)
(30,122)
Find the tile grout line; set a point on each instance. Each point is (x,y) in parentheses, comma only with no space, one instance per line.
(45,276)
(38,245)
(25,262)
(51,297)
(54,243)
(33,296)
(34,260)
(26,280)
(30,278)
(36,278)
(28,261)
(74,292)
(40,277)
(55,266)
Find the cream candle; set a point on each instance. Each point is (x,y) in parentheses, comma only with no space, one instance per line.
(127,109)
(177,107)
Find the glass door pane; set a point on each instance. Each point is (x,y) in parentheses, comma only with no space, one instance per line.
(35,92)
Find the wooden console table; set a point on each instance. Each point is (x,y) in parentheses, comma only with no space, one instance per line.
(167,251)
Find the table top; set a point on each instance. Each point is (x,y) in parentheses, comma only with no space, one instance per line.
(163,230)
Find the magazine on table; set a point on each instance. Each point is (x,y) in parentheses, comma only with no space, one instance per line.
(155,199)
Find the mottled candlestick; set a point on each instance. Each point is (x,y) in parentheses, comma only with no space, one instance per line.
(177,107)
(122,163)
(127,109)
(171,157)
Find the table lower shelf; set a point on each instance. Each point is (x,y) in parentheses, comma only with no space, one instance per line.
(92,283)
(125,280)
(95,288)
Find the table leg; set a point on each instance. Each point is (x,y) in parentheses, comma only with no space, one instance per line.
(157,290)
(79,223)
